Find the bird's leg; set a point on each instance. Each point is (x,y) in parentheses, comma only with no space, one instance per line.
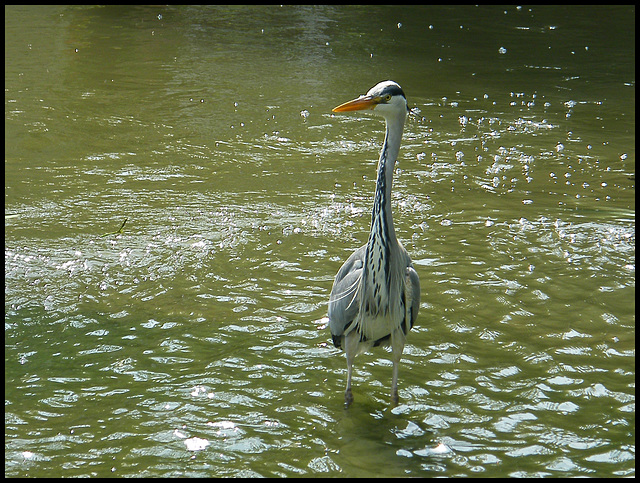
(350,348)
(397,346)
(348,396)
(394,385)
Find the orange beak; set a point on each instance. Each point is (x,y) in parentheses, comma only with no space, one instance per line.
(360,104)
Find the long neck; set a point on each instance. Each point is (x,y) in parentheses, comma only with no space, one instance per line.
(381,216)
(379,283)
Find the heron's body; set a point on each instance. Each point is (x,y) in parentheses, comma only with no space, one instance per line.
(376,293)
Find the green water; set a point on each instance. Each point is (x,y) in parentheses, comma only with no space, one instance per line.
(194,342)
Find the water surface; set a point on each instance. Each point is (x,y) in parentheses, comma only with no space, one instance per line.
(193,341)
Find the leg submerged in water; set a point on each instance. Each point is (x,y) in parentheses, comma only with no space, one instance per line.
(350,349)
(397,346)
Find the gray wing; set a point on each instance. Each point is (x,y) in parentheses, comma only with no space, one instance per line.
(343,303)
(414,281)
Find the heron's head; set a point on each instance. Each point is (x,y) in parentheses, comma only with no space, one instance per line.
(386,98)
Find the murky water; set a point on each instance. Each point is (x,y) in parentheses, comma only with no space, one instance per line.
(192,340)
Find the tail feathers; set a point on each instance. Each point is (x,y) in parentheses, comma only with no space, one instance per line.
(337,340)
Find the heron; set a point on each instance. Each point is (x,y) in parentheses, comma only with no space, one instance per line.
(375,296)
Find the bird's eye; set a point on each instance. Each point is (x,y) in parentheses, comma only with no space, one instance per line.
(387,98)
